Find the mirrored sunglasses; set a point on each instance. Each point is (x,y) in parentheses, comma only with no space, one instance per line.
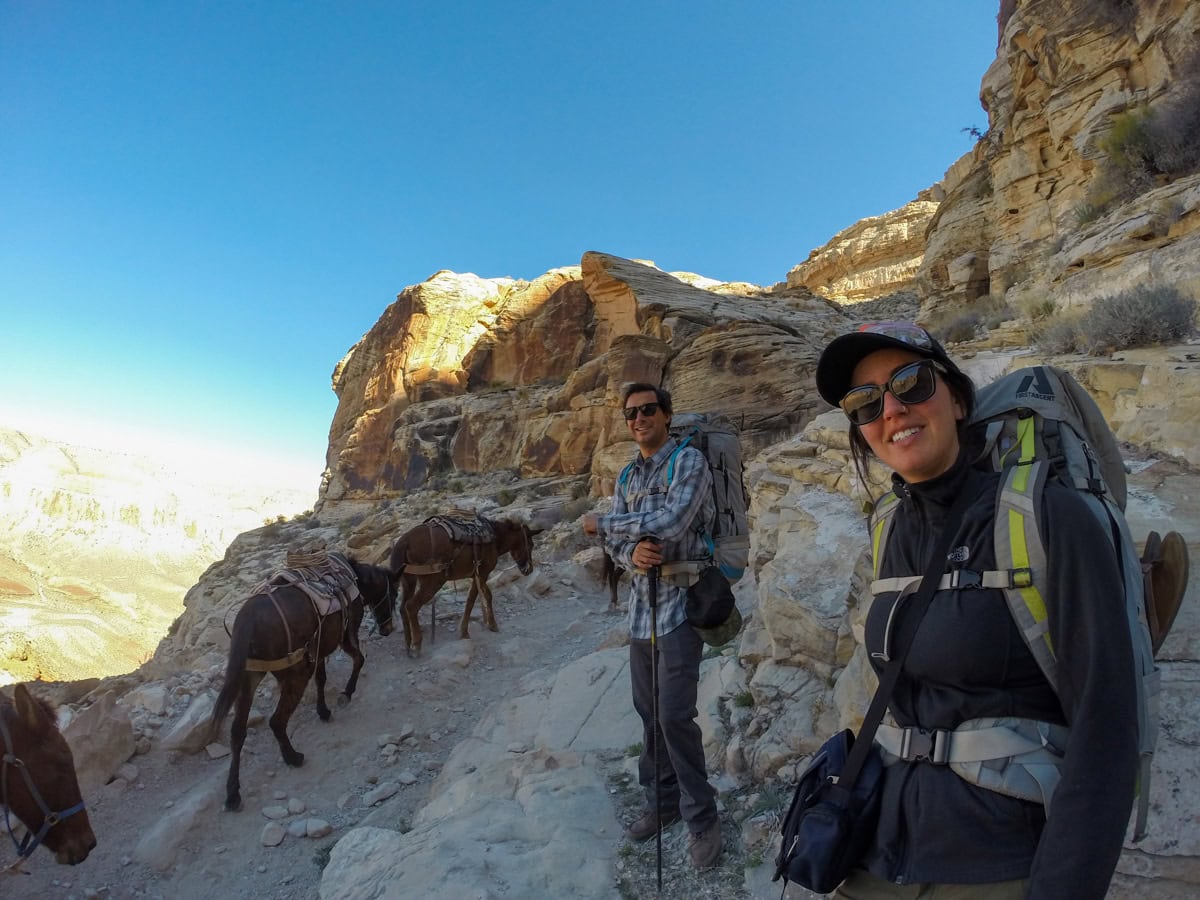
(907,332)
(648,410)
(911,384)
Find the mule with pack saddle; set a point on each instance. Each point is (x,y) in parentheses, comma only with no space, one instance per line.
(288,626)
(446,548)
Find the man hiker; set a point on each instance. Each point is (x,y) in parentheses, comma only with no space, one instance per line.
(651,524)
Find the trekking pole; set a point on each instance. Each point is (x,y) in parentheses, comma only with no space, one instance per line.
(652,574)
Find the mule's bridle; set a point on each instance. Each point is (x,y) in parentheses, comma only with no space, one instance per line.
(31,841)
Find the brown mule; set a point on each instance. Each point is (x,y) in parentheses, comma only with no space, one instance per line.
(1165,570)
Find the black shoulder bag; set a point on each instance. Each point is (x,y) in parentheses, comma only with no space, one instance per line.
(835,807)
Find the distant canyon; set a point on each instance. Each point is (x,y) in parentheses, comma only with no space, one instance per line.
(98,548)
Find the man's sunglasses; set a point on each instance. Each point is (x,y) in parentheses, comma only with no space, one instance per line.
(911,384)
(648,411)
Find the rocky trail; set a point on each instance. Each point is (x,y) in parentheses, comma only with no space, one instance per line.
(161,828)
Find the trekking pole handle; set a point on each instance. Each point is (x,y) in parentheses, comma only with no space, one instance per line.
(653,573)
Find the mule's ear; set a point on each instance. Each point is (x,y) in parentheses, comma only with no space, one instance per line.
(30,711)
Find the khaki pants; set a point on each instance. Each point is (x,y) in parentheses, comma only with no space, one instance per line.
(862,885)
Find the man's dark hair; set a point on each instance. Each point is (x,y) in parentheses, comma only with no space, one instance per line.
(662,396)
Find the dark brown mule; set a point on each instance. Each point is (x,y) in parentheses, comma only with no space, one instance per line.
(38,783)
(270,630)
(426,557)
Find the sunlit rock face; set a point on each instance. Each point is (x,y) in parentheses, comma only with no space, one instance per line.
(873,257)
(463,374)
(1011,224)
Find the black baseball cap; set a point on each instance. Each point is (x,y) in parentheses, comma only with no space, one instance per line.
(838,360)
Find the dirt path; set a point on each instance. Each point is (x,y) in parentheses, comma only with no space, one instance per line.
(439,698)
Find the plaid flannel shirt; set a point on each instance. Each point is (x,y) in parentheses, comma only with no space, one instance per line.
(643,507)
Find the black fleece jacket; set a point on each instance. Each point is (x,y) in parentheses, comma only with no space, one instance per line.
(968,660)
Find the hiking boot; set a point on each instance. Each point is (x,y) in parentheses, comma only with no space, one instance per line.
(706,846)
(1168,578)
(647,826)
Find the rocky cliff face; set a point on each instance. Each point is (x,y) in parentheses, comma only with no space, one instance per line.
(873,257)
(1016,219)
(1028,214)
(464,375)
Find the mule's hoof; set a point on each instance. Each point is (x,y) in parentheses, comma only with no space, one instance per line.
(296,760)
(343,700)
(233,804)
(324,714)
(493,627)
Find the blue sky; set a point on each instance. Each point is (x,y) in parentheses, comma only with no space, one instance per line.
(203,206)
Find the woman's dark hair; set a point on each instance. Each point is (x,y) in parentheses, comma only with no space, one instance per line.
(662,396)
(961,387)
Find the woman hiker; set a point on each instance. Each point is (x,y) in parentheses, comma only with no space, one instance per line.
(939,835)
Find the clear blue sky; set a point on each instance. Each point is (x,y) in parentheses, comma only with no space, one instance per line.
(203,206)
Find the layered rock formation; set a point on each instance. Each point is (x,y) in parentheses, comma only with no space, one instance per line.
(1015,218)
(873,257)
(466,375)
(1012,224)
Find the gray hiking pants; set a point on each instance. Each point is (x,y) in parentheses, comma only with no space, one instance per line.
(682,778)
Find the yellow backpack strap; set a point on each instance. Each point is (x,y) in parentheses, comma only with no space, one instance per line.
(1020,549)
(881,526)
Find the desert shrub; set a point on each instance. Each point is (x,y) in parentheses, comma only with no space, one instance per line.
(996,313)
(1174,128)
(1129,149)
(960,326)
(1136,318)
(1035,306)
(1148,143)
(1057,335)
(965,323)
(505,496)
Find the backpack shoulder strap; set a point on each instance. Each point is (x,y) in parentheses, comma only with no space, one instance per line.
(880,526)
(686,442)
(623,480)
(1020,550)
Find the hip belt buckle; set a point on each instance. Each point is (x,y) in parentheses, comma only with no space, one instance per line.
(919,745)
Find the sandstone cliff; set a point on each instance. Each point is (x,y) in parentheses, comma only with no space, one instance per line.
(1017,218)
(873,257)
(1034,213)
(463,375)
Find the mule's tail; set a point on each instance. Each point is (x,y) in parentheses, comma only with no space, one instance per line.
(235,672)
(398,558)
